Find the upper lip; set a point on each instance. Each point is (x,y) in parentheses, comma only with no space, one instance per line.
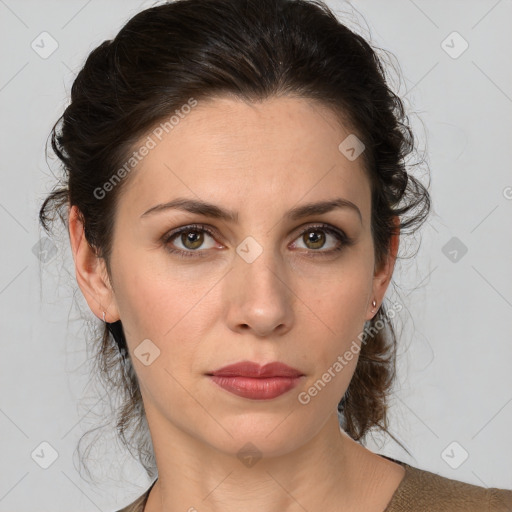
(251,369)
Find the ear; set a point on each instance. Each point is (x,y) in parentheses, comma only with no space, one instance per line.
(382,275)
(91,271)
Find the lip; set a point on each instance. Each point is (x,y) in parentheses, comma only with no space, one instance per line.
(250,380)
(254,370)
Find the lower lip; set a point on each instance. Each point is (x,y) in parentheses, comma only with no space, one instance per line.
(256,388)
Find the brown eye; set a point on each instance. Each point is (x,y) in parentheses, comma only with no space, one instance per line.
(317,239)
(188,240)
(314,237)
(192,239)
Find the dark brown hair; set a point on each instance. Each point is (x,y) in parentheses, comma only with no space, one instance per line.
(252,50)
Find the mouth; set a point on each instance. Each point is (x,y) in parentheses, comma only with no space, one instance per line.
(254,370)
(250,380)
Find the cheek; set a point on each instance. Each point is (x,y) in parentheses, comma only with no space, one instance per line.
(334,346)
(337,308)
(170,305)
(338,296)
(142,291)
(169,313)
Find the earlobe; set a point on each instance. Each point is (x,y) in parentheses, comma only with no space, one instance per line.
(90,270)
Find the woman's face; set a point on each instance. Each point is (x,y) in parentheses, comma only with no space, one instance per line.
(263,286)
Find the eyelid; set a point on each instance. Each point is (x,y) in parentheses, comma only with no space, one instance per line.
(213,232)
(338,233)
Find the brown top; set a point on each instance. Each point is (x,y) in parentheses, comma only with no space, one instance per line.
(422,491)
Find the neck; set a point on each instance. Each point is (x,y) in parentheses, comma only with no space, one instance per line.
(324,473)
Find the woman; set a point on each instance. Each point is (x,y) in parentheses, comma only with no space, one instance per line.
(235,194)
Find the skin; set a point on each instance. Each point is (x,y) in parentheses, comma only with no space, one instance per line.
(259,160)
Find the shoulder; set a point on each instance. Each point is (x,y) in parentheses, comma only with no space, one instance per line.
(424,491)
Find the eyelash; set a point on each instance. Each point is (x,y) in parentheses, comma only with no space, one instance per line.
(344,240)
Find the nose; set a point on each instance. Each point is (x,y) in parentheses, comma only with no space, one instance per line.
(258,296)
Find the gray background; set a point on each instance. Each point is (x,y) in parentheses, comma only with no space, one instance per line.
(454,382)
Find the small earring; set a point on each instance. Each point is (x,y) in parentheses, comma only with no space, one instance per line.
(104,317)
(374,304)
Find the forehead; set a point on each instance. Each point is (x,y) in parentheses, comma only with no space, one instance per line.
(261,155)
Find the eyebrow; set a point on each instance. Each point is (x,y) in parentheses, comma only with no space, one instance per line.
(211,210)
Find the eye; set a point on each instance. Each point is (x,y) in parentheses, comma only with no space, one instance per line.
(317,237)
(191,237)
(314,238)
